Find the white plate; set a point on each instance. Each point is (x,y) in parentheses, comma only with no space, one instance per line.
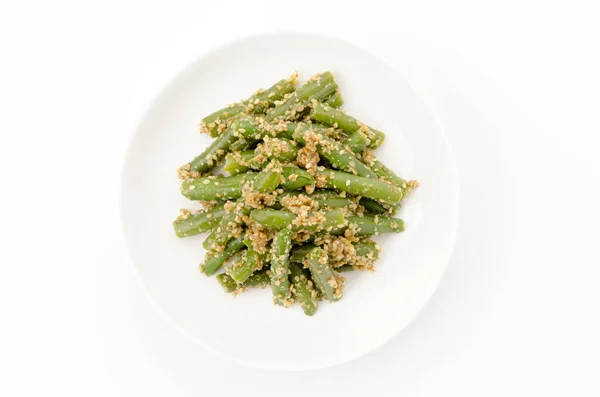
(249,329)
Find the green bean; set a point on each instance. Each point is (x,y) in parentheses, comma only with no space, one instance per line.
(362,247)
(366,226)
(314,86)
(280,219)
(300,252)
(279,130)
(357,141)
(377,166)
(266,181)
(214,260)
(317,194)
(325,193)
(214,123)
(230,187)
(228,283)
(243,144)
(200,222)
(323,200)
(372,206)
(302,178)
(209,158)
(304,291)
(322,94)
(334,202)
(281,149)
(323,275)
(251,261)
(235,162)
(210,242)
(273,219)
(337,118)
(374,225)
(335,153)
(211,188)
(280,251)
(286,132)
(335,100)
(386,174)
(367,248)
(238,162)
(344,269)
(259,279)
(230,222)
(365,187)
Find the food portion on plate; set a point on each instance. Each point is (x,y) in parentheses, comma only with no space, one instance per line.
(292,193)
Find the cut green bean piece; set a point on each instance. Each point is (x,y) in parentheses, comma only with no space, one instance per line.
(198,223)
(374,225)
(315,85)
(357,141)
(279,130)
(365,187)
(334,117)
(333,202)
(296,178)
(210,242)
(367,225)
(304,291)
(324,200)
(214,260)
(335,100)
(368,248)
(243,144)
(300,252)
(372,206)
(280,252)
(215,122)
(229,223)
(238,162)
(335,153)
(279,149)
(344,269)
(230,187)
(251,261)
(210,188)
(240,128)
(258,280)
(323,275)
(386,174)
(208,159)
(266,181)
(228,283)
(286,132)
(273,219)
(280,219)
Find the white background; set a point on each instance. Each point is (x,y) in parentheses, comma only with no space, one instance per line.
(75,77)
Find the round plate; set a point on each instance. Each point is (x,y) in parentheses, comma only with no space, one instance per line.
(250,329)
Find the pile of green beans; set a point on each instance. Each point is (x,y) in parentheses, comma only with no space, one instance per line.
(292,193)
